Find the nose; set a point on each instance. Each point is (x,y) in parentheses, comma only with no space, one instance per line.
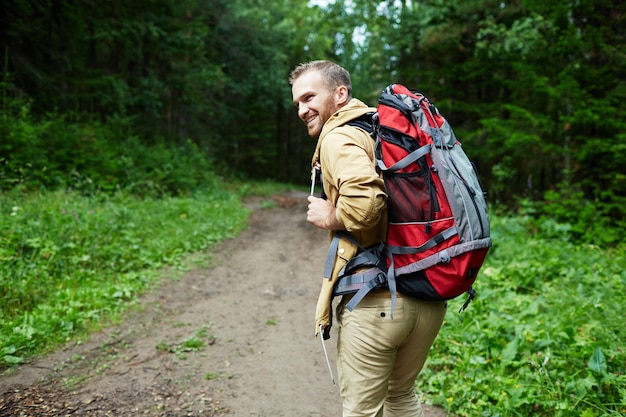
(302,111)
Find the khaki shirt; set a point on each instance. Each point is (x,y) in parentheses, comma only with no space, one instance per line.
(353,185)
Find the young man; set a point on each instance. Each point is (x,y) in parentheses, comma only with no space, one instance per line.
(378,358)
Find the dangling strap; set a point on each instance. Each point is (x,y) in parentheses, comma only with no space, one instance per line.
(471,295)
(391,281)
(330,258)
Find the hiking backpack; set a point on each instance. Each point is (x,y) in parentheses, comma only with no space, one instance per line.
(438,226)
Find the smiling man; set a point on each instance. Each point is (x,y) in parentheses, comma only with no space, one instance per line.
(378,358)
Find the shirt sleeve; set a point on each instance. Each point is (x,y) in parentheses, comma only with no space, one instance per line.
(348,156)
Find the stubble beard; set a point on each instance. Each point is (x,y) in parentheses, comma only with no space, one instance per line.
(322,117)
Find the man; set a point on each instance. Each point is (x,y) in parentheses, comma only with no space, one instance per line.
(378,357)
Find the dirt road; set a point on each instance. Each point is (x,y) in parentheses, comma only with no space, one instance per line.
(233,339)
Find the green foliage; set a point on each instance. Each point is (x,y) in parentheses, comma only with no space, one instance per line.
(211,72)
(260,188)
(53,152)
(69,262)
(115,118)
(149,59)
(534,90)
(593,222)
(545,336)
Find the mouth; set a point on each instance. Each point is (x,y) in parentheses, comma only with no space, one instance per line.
(310,121)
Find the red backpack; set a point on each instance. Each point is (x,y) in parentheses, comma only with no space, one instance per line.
(438,232)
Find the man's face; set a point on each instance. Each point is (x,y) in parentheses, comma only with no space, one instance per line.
(314,102)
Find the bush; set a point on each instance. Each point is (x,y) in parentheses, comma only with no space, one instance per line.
(599,223)
(91,157)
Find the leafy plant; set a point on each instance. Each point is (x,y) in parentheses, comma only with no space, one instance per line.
(70,262)
(546,335)
(211,375)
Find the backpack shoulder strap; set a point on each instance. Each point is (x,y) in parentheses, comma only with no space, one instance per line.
(364,122)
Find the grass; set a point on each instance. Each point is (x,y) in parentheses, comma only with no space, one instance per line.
(197,342)
(70,263)
(546,336)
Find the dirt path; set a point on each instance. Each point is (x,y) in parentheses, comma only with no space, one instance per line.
(252,311)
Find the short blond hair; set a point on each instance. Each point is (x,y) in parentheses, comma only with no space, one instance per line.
(334,74)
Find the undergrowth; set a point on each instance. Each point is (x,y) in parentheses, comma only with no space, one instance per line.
(70,262)
(546,335)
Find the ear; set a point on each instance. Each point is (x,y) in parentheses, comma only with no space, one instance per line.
(341,95)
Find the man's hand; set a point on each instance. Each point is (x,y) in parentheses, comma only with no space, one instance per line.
(322,214)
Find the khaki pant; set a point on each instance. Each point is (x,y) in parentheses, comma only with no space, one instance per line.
(378,358)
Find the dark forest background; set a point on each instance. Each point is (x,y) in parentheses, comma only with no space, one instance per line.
(161,97)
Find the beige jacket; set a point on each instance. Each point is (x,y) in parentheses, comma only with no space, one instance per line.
(353,185)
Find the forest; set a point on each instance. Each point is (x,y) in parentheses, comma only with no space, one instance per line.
(153,100)
(535,91)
